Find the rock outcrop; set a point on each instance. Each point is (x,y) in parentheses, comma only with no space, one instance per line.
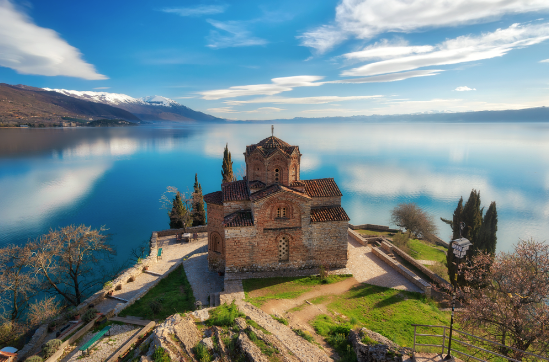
(380,349)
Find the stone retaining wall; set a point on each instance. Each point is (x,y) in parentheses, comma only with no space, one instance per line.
(373,227)
(34,343)
(435,278)
(422,284)
(356,236)
(131,341)
(192,229)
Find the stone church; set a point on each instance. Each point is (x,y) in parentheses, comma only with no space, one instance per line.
(273,220)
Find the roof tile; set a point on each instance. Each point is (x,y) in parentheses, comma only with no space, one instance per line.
(238,219)
(322,187)
(214,198)
(328,213)
(235,191)
(269,145)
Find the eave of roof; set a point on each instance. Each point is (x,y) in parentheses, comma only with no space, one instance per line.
(214,198)
(328,213)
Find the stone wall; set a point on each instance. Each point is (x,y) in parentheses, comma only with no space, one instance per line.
(373,227)
(191,229)
(216,261)
(329,242)
(234,206)
(34,344)
(435,278)
(356,236)
(422,284)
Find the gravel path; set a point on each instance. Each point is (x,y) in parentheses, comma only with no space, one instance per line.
(172,252)
(202,280)
(105,347)
(303,350)
(368,268)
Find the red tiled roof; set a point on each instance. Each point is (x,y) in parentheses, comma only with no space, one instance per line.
(322,187)
(270,144)
(214,198)
(273,189)
(297,183)
(238,219)
(235,191)
(256,184)
(328,213)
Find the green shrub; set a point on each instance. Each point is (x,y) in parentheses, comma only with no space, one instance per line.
(224,315)
(89,315)
(202,353)
(160,355)
(108,285)
(280,319)
(401,241)
(368,341)
(51,347)
(34,359)
(304,335)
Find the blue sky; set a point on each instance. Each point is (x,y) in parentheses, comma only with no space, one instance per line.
(281,59)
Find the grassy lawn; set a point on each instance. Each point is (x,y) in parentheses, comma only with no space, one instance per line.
(374,233)
(259,291)
(173,294)
(427,251)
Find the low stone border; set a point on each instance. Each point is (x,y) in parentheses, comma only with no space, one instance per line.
(71,340)
(131,341)
(408,274)
(373,227)
(435,278)
(145,290)
(356,236)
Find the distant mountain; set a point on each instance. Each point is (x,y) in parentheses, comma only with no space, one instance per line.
(151,108)
(23,104)
(538,114)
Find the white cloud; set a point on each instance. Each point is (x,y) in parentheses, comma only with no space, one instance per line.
(278,85)
(238,35)
(461,49)
(365,19)
(384,50)
(464,89)
(302,100)
(30,49)
(197,10)
(393,77)
(544,61)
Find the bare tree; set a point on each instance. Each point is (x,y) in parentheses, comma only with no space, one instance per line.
(42,311)
(18,283)
(68,259)
(507,298)
(416,221)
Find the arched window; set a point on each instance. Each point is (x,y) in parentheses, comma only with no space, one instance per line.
(283,249)
(277,173)
(281,212)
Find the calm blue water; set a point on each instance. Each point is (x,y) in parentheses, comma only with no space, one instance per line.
(116,176)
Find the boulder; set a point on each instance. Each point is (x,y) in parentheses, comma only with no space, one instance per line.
(251,352)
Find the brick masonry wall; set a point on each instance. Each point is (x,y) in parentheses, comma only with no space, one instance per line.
(234,206)
(326,201)
(256,248)
(356,236)
(216,261)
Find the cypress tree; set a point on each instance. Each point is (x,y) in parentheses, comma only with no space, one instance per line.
(227,168)
(199,214)
(472,217)
(455,225)
(487,238)
(176,215)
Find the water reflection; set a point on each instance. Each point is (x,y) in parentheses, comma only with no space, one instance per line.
(115,176)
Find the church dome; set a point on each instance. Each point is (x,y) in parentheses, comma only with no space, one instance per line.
(270,144)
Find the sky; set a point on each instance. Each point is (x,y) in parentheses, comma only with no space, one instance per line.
(248,60)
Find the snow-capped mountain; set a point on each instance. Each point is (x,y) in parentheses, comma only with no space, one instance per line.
(150,108)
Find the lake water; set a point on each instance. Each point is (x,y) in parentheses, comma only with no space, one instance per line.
(116,176)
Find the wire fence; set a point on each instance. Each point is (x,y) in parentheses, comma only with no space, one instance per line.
(469,349)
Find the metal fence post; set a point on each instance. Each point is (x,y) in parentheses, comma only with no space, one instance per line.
(415,327)
(443,338)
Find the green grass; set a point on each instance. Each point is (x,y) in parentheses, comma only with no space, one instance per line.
(173,294)
(374,233)
(284,287)
(426,251)
(389,312)
(224,315)
(280,319)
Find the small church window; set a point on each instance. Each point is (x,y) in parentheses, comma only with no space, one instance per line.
(276,174)
(281,212)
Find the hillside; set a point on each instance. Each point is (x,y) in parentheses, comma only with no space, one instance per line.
(23,104)
(151,108)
